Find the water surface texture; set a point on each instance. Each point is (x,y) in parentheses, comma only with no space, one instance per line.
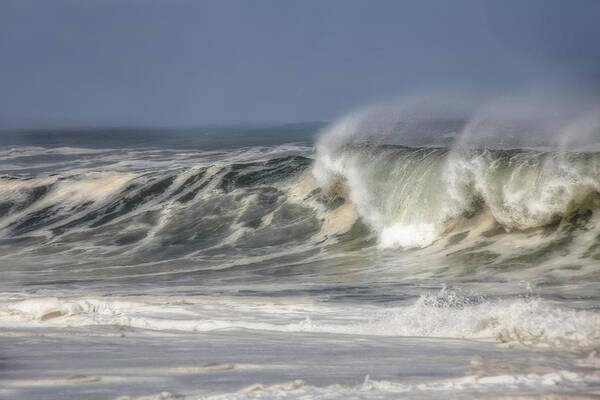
(246,263)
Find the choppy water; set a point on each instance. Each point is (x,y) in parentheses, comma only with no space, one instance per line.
(284,270)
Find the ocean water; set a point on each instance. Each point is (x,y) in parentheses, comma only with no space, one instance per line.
(284,262)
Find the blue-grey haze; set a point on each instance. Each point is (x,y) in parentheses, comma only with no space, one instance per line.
(185,63)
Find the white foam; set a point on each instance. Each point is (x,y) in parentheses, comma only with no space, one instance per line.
(419,235)
(449,314)
(379,389)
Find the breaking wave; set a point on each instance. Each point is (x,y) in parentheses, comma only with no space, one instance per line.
(411,197)
(480,202)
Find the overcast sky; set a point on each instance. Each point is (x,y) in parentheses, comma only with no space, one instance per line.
(183,63)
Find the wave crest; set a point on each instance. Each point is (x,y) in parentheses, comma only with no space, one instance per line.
(411,196)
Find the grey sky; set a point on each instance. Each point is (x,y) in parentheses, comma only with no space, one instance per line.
(182,63)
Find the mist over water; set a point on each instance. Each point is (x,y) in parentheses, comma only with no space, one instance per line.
(528,161)
(452,241)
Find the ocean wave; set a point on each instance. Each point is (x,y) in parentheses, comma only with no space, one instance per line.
(483,206)
(411,197)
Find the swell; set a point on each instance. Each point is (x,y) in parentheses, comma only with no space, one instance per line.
(190,205)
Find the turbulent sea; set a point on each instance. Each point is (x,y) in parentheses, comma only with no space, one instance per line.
(247,263)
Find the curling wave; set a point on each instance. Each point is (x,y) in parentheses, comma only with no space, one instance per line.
(413,196)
